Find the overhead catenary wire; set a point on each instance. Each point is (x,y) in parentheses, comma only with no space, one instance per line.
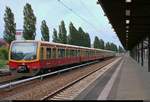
(95,17)
(82,18)
(88,10)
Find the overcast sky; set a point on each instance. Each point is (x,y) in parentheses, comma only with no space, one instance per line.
(95,23)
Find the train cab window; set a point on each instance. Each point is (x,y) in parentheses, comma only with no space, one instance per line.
(42,53)
(48,53)
(61,53)
(54,53)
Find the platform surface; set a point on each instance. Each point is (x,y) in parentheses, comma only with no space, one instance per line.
(132,82)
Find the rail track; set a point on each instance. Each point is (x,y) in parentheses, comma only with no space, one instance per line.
(37,89)
(72,89)
(4,73)
(13,83)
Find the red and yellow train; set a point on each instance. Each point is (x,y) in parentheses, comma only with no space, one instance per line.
(29,57)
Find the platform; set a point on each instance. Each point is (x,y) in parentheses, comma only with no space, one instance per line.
(131,82)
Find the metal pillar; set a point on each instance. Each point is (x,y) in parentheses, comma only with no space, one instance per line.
(148,53)
(138,53)
(142,60)
(134,53)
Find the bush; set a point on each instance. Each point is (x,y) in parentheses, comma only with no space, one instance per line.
(3,53)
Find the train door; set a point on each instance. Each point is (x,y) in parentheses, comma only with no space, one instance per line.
(54,53)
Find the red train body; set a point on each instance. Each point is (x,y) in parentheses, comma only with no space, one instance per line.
(27,58)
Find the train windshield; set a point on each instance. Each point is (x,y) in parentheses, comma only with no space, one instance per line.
(23,51)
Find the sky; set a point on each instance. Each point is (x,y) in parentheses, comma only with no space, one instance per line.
(82,13)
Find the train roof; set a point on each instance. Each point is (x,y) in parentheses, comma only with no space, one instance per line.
(59,44)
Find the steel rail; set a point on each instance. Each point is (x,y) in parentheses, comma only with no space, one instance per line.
(72,83)
(42,76)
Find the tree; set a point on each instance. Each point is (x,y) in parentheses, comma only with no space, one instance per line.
(120,49)
(29,23)
(87,40)
(44,31)
(107,47)
(96,42)
(10,26)
(62,33)
(59,35)
(101,44)
(72,35)
(81,37)
(55,36)
(113,47)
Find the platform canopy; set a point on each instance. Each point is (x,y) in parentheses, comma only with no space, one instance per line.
(129,18)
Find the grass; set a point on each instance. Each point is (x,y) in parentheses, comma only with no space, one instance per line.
(3,63)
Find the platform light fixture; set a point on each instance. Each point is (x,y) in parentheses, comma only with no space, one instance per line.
(128,1)
(127,21)
(127,35)
(127,31)
(128,12)
(127,27)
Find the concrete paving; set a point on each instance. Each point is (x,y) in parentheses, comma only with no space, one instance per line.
(132,83)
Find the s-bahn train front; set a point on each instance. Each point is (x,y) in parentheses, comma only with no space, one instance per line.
(24,58)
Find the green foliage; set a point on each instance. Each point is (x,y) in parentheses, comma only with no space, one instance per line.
(111,46)
(29,23)
(81,37)
(73,35)
(3,63)
(62,33)
(3,53)
(101,44)
(10,26)
(55,36)
(120,49)
(44,31)
(88,40)
(96,42)
(108,47)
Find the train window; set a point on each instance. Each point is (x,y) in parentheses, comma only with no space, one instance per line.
(61,53)
(71,52)
(91,54)
(48,53)
(67,52)
(42,53)
(84,53)
(75,53)
(87,53)
(54,53)
(78,52)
